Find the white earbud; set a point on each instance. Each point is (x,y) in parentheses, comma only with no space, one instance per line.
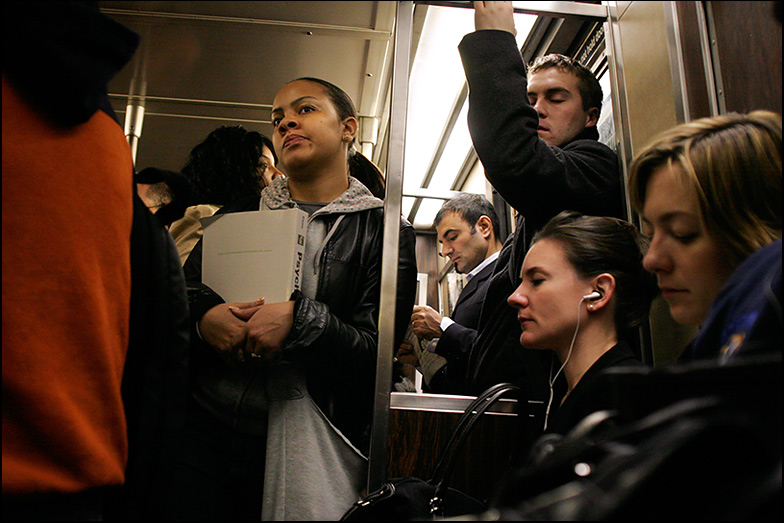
(595,295)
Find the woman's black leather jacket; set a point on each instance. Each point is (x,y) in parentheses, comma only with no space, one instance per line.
(335,335)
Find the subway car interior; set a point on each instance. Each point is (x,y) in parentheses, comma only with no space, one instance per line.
(202,65)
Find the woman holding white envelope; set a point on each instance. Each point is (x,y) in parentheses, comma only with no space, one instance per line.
(282,392)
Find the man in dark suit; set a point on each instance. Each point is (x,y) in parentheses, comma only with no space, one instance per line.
(466,227)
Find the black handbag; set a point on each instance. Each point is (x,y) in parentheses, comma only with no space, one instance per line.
(406,499)
(700,441)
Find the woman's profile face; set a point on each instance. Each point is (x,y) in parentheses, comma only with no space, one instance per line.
(687,259)
(548,297)
(267,167)
(308,130)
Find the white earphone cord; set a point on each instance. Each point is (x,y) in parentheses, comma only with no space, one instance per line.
(568,355)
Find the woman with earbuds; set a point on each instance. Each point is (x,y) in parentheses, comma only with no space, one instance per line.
(583,290)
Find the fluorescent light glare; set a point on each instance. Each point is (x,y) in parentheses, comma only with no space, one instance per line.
(436,79)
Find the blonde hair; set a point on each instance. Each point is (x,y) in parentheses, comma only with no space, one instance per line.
(733,163)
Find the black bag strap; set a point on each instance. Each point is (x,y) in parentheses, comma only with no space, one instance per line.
(469,418)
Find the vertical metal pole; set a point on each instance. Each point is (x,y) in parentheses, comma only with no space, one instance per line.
(620,110)
(707,58)
(134,111)
(675,46)
(716,85)
(134,118)
(377,459)
(623,139)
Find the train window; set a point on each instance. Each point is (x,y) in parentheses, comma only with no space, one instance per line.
(606,125)
(438,152)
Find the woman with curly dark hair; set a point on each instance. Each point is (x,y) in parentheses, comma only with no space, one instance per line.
(230,165)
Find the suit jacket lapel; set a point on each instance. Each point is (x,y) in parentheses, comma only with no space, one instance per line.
(472,285)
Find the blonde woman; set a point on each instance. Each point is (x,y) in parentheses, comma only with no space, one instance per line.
(709,195)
